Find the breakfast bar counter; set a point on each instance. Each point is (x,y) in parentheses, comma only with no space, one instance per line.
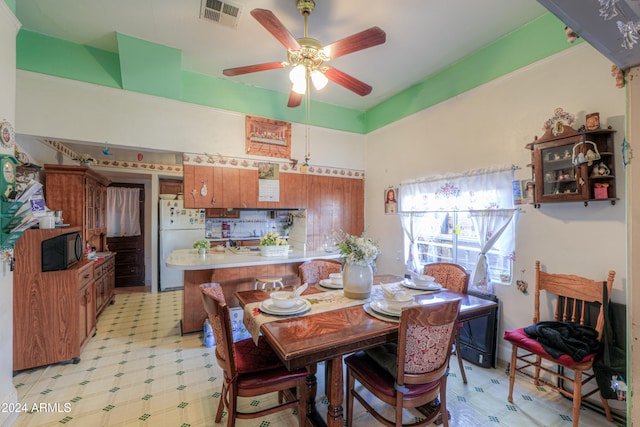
(235,271)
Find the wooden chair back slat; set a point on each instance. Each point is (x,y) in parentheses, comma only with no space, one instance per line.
(573,295)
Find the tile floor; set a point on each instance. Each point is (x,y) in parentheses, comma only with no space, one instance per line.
(139,371)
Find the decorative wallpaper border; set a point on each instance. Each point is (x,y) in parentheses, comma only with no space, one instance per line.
(115,164)
(291,166)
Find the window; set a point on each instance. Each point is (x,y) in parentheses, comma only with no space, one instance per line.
(467,220)
(457,241)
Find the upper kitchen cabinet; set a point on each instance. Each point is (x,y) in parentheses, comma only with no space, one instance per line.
(240,189)
(81,194)
(171,186)
(570,165)
(202,187)
(333,204)
(293,190)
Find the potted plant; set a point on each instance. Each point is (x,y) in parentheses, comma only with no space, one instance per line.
(271,244)
(86,160)
(358,253)
(202,246)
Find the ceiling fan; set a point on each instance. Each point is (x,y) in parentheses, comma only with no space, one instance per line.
(306,56)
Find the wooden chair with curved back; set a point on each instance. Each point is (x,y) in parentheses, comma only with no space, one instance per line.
(314,270)
(411,373)
(456,279)
(249,369)
(539,344)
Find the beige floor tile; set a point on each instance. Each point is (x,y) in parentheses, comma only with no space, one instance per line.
(139,371)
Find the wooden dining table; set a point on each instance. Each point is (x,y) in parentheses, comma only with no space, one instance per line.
(304,341)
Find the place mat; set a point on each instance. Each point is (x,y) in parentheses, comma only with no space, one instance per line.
(326,301)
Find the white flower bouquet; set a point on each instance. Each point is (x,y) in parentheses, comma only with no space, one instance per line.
(357,249)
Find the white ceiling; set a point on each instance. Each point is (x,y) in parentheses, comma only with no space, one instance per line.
(423,36)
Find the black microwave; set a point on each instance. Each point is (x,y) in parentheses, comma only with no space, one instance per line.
(61,252)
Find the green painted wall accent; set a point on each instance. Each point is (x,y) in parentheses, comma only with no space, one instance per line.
(47,55)
(153,69)
(227,95)
(12,5)
(149,67)
(532,42)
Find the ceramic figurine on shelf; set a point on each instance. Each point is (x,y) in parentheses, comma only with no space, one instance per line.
(618,74)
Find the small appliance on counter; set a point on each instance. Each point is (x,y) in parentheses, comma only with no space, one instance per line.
(61,252)
(226,230)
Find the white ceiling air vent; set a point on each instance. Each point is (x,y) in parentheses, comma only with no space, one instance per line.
(221,12)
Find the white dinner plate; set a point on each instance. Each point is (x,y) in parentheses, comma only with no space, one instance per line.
(269,307)
(381,306)
(381,316)
(329,284)
(430,286)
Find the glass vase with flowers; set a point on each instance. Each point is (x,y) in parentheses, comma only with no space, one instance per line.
(359,254)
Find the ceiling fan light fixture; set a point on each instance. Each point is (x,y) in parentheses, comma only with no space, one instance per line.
(319,79)
(298,75)
(299,87)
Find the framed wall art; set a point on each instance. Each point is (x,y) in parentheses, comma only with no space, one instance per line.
(391,200)
(266,137)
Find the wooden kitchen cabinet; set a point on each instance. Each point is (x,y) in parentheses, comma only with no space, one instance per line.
(202,187)
(248,242)
(333,204)
(221,213)
(104,282)
(293,190)
(559,179)
(248,188)
(54,312)
(170,186)
(86,305)
(81,194)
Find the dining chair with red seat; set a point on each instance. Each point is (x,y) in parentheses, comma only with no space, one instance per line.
(412,372)
(574,296)
(250,370)
(312,271)
(456,279)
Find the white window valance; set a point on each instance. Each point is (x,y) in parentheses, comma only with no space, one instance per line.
(480,189)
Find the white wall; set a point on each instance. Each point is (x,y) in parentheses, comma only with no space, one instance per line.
(66,109)
(9,27)
(490,126)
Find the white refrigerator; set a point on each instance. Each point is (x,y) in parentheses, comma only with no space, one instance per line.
(179,228)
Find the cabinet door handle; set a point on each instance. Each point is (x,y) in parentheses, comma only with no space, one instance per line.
(213,200)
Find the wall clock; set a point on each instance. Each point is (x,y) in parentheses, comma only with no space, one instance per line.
(266,137)
(7,135)
(8,175)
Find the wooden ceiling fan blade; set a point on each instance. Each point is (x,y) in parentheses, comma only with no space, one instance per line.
(271,23)
(359,41)
(347,81)
(295,99)
(252,68)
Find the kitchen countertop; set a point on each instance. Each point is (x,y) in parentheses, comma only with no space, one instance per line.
(224,239)
(188,259)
